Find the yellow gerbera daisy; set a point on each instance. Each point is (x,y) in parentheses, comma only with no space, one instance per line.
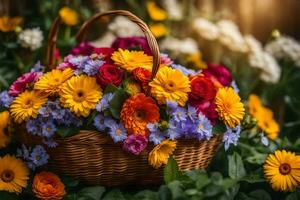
(229,106)
(282,170)
(13,174)
(130,60)
(158,29)
(80,94)
(8,24)
(264,117)
(51,81)
(4,134)
(26,105)
(170,84)
(69,16)
(161,153)
(155,12)
(195,59)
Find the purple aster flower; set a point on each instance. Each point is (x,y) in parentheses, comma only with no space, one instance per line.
(203,127)
(184,70)
(117,132)
(235,87)
(99,122)
(264,140)
(39,156)
(180,114)
(188,128)
(76,61)
(52,109)
(92,66)
(23,152)
(174,131)
(192,113)
(231,136)
(69,119)
(5,99)
(171,107)
(103,104)
(135,144)
(38,67)
(50,142)
(108,122)
(48,129)
(33,126)
(156,136)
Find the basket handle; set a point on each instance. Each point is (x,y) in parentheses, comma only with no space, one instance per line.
(149,36)
(52,37)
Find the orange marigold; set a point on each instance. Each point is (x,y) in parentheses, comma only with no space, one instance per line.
(137,112)
(47,185)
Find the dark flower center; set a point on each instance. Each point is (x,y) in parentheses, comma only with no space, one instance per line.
(27,104)
(285,168)
(139,114)
(79,97)
(7,175)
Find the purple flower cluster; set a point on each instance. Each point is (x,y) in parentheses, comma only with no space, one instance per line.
(184,70)
(5,99)
(231,136)
(38,67)
(40,126)
(183,123)
(87,64)
(103,104)
(34,157)
(116,131)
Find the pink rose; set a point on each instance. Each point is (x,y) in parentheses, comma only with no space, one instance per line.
(84,48)
(208,108)
(23,82)
(218,73)
(135,144)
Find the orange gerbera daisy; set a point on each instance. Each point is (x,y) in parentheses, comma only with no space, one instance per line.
(137,112)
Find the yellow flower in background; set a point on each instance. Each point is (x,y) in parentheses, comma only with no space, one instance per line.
(4,134)
(264,116)
(51,82)
(196,60)
(155,12)
(229,106)
(80,94)
(130,60)
(158,29)
(69,16)
(170,84)
(27,105)
(282,170)
(161,153)
(13,174)
(8,24)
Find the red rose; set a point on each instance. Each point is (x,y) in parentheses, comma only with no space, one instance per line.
(208,108)
(142,75)
(109,74)
(106,52)
(202,88)
(218,73)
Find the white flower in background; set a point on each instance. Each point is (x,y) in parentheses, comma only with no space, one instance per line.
(123,27)
(105,41)
(231,37)
(253,44)
(205,29)
(31,38)
(266,63)
(285,47)
(174,9)
(179,46)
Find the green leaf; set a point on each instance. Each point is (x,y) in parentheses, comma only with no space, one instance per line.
(69,182)
(236,168)
(253,178)
(219,128)
(117,102)
(171,171)
(176,188)
(293,196)
(260,195)
(114,194)
(164,193)
(91,193)
(146,195)
(110,89)
(228,183)
(64,131)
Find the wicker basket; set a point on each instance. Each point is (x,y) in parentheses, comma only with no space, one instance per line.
(94,158)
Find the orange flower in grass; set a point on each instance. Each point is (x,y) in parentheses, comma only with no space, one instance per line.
(137,112)
(48,186)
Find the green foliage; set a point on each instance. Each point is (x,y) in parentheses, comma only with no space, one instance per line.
(171,171)
(64,131)
(236,169)
(117,101)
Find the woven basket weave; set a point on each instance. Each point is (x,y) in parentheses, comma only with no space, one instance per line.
(94,158)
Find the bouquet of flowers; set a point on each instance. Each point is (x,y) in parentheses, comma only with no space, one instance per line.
(115,92)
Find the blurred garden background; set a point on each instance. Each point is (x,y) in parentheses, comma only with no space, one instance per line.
(257,40)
